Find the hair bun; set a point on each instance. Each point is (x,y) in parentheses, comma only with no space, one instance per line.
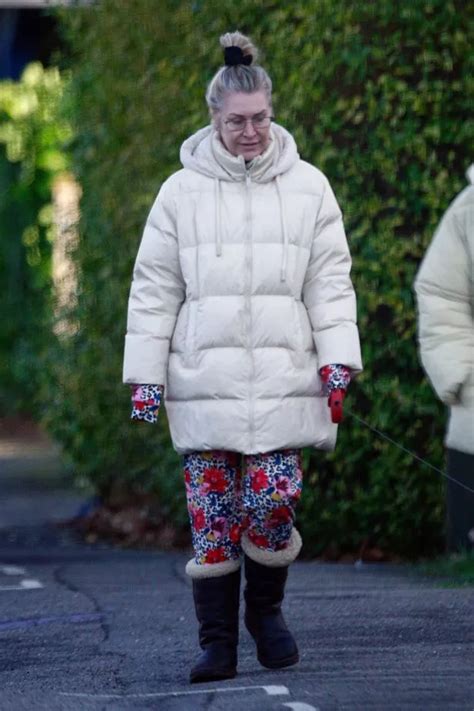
(234,55)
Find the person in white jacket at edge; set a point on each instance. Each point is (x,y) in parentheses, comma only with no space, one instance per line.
(444,288)
(242,312)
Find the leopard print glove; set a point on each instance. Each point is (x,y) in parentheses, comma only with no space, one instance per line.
(335,377)
(146,402)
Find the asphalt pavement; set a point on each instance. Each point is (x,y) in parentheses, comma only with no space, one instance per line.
(93,627)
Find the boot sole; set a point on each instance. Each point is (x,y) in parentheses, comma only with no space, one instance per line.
(279,663)
(203,676)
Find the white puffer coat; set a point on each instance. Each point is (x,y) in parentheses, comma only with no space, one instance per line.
(445,291)
(241,292)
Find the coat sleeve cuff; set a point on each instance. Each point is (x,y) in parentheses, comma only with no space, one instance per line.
(447,379)
(145,359)
(339,344)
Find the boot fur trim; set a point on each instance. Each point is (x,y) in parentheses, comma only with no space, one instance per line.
(211,570)
(273,559)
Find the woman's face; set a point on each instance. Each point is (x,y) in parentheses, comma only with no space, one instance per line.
(244,124)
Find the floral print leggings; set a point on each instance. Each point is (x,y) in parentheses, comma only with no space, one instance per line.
(228,493)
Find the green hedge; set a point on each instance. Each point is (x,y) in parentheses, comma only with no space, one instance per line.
(33,134)
(379,96)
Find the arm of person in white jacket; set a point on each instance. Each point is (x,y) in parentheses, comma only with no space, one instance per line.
(328,293)
(156,295)
(445,321)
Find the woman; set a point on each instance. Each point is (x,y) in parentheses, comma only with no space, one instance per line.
(241,306)
(445,296)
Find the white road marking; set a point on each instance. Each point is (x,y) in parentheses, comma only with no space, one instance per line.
(12,570)
(276,690)
(300,706)
(271,690)
(27,584)
(31,584)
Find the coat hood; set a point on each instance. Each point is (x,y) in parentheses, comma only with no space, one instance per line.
(204,153)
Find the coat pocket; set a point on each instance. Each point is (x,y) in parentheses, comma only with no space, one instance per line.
(297,352)
(190,338)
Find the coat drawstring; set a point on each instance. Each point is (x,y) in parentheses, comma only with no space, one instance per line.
(284,261)
(217,196)
(284,229)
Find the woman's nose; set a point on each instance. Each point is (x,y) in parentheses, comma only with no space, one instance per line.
(249,129)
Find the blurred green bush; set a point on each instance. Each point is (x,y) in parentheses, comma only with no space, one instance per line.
(33,135)
(379,96)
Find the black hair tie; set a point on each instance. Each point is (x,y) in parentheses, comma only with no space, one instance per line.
(234,55)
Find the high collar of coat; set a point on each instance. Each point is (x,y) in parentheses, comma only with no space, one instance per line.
(204,153)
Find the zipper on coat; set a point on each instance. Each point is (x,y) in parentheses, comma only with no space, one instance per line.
(248,308)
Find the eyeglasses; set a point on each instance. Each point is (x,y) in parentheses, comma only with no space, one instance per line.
(239,123)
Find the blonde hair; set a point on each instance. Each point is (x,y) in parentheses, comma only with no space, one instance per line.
(239,77)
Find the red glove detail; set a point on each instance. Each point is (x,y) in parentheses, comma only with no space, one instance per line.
(335,401)
(336,378)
